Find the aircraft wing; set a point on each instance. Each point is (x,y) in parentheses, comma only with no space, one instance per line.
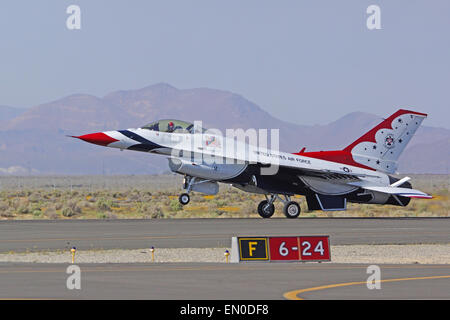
(334,175)
(328,175)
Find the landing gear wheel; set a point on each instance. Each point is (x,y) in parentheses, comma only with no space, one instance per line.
(291,210)
(265,209)
(184,198)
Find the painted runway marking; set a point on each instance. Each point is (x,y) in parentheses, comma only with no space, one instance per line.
(293,295)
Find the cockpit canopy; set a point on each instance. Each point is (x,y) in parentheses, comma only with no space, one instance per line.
(171,125)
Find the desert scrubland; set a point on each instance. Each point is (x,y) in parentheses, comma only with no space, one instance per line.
(156,197)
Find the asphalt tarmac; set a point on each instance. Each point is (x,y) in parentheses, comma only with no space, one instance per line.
(250,281)
(19,236)
(203,281)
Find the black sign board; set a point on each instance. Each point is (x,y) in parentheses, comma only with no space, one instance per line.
(253,248)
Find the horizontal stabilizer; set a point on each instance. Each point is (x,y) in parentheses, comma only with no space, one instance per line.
(400,182)
(403,192)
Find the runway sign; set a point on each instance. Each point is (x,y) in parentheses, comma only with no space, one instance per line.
(253,249)
(284,248)
(291,248)
(315,248)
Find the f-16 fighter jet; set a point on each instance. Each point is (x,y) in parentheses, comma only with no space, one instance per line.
(360,173)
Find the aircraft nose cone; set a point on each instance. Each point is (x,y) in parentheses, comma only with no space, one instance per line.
(99,138)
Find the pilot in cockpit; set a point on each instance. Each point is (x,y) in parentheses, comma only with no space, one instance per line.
(170,127)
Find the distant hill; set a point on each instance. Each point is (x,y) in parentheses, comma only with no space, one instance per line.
(35,141)
(7,113)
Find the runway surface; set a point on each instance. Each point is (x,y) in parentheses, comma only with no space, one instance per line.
(218,281)
(20,236)
(224,281)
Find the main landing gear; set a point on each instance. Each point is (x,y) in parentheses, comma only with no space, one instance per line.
(291,208)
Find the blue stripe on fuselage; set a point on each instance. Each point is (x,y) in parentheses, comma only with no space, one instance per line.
(144,145)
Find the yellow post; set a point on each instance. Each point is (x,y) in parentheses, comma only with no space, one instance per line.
(152,250)
(226,254)
(73,250)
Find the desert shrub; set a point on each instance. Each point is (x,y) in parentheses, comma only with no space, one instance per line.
(58,205)
(85,204)
(23,209)
(101,215)
(37,212)
(134,195)
(68,212)
(56,194)
(104,205)
(106,215)
(219,212)
(248,208)
(8,213)
(70,209)
(142,207)
(51,213)
(3,206)
(149,211)
(221,203)
(157,213)
(114,204)
(34,198)
(175,205)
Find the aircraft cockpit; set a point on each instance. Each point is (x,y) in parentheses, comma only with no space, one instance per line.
(170,125)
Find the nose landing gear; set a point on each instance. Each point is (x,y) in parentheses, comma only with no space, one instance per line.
(184,198)
(188,182)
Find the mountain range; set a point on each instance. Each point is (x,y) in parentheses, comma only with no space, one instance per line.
(34,140)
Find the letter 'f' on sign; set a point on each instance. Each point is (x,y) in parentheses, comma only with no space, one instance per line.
(251,247)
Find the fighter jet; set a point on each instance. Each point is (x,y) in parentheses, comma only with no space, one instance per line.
(362,172)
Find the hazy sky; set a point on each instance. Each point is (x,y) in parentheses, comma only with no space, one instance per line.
(303,61)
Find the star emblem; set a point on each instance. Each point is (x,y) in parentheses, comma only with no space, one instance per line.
(389,141)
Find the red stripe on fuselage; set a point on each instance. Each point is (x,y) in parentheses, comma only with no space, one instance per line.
(339,156)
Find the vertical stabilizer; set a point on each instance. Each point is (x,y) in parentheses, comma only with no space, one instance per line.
(381,147)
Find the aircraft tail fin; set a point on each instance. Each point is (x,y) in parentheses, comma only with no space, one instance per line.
(381,147)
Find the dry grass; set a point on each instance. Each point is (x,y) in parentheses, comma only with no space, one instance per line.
(151,197)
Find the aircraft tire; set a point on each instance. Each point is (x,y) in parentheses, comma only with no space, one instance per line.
(291,210)
(184,199)
(264,210)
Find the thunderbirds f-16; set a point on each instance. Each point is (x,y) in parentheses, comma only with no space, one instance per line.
(361,172)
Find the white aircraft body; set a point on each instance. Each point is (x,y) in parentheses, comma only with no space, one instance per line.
(359,173)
